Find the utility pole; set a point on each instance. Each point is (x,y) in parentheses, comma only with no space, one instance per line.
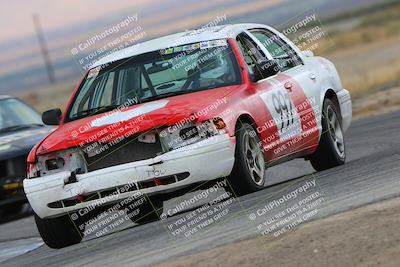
(43,48)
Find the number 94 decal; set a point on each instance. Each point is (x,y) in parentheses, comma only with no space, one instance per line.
(283,112)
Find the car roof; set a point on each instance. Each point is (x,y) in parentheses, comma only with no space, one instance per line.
(177,39)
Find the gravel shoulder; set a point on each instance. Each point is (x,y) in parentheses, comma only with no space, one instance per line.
(367,236)
(377,103)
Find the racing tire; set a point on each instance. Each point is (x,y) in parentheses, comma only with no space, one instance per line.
(248,174)
(58,232)
(149,211)
(331,151)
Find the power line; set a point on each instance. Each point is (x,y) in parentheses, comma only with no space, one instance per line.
(43,48)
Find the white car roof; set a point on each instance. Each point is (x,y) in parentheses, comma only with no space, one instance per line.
(177,39)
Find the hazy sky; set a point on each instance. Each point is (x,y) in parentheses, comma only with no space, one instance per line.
(16,15)
(68,23)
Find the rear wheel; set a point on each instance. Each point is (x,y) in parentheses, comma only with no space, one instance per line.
(59,232)
(248,174)
(331,151)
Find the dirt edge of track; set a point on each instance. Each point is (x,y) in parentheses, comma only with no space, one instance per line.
(366,236)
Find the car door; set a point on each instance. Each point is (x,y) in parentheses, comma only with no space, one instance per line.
(295,125)
(266,126)
(274,114)
(297,97)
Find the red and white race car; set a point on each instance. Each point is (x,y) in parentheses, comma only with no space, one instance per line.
(181,110)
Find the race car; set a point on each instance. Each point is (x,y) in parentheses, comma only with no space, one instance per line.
(186,109)
(21,128)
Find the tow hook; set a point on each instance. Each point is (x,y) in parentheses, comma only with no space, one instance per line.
(71,179)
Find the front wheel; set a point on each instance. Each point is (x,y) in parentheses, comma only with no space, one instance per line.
(248,174)
(331,151)
(58,232)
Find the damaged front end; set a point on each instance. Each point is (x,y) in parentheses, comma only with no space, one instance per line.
(124,149)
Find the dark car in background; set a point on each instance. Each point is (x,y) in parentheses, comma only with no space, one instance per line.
(21,128)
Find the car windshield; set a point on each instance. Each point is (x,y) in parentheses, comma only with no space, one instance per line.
(155,75)
(16,115)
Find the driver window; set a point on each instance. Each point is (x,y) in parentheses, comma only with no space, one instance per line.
(286,57)
(251,54)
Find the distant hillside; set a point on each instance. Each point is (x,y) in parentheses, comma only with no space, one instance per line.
(21,65)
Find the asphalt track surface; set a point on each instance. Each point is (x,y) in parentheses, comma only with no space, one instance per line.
(371,174)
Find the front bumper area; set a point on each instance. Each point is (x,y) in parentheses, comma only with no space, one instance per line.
(203,161)
(11,193)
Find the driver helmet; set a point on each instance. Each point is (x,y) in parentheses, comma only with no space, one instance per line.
(212,65)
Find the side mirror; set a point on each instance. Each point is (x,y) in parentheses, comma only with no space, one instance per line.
(265,69)
(52,116)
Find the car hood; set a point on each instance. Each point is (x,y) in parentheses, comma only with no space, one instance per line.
(18,143)
(137,119)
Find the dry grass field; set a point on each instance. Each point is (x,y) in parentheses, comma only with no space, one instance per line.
(368,55)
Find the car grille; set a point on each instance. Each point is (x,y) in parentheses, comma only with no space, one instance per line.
(12,172)
(14,167)
(125,151)
(115,191)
